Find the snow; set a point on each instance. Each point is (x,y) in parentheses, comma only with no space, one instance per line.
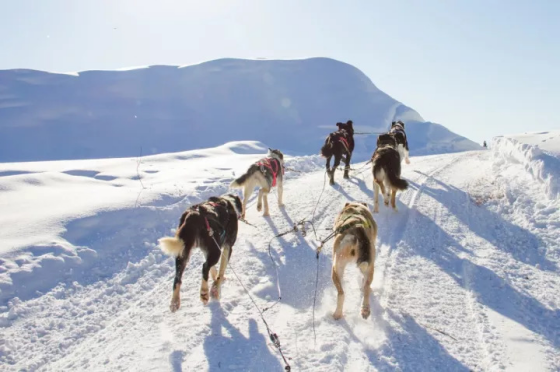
(526,149)
(466,275)
(288,104)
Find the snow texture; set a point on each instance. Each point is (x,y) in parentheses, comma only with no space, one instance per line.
(288,104)
(544,166)
(466,274)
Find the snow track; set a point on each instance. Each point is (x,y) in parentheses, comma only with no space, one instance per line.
(466,278)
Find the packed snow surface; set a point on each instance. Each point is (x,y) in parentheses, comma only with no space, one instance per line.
(287,104)
(466,275)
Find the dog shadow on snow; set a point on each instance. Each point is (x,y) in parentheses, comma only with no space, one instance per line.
(520,243)
(491,290)
(227,348)
(409,343)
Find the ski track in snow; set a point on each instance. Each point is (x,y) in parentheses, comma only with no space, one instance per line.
(466,278)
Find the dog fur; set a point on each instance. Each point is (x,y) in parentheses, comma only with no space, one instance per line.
(261,176)
(220,215)
(337,144)
(386,168)
(397,130)
(354,243)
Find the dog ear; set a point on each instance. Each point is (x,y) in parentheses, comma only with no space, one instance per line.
(349,122)
(345,205)
(364,204)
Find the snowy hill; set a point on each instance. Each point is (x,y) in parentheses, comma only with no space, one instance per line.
(291,105)
(466,275)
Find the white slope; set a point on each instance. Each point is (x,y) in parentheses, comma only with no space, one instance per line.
(289,104)
(466,279)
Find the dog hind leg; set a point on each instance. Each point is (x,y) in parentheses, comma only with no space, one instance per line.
(212,259)
(367,271)
(376,188)
(393,201)
(280,192)
(216,286)
(180,265)
(347,163)
(265,197)
(259,200)
(337,158)
(246,194)
(337,275)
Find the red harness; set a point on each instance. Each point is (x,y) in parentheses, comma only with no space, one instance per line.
(345,143)
(267,162)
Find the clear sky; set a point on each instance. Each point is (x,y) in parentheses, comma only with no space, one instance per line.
(479,67)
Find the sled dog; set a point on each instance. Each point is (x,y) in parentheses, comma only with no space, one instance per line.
(339,144)
(354,242)
(397,130)
(386,168)
(211,226)
(265,174)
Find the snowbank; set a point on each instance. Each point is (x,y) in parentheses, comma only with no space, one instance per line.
(541,165)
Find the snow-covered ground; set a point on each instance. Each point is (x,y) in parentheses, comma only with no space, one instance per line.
(466,278)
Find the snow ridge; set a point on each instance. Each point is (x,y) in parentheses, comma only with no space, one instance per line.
(542,166)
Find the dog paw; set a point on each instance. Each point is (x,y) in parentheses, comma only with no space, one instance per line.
(407,161)
(204,297)
(337,315)
(215,292)
(281,205)
(175,305)
(365,312)
(386,203)
(266,214)
(395,209)
(376,209)
(259,207)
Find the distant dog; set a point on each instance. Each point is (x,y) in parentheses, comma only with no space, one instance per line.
(386,168)
(397,130)
(212,226)
(338,144)
(266,174)
(354,242)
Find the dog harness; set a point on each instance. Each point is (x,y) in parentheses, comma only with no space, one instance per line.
(208,227)
(267,163)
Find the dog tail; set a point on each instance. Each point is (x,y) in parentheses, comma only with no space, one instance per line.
(327,149)
(240,182)
(172,246)
(237,183)
(184,238)
(395,181)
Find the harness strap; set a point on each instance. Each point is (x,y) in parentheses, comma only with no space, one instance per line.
(267,162)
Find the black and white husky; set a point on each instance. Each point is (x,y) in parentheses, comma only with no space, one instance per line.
(397,130)
(386,168)
(212,226)
(265,174)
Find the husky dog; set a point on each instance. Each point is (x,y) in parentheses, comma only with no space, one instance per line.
(337,144)
(354,242)
(266,174)
(397,130)
(212,226)
(386,168)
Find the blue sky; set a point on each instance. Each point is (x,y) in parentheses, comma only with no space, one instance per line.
(481,68)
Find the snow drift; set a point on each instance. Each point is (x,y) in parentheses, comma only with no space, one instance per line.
(288,104)
(543,166)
